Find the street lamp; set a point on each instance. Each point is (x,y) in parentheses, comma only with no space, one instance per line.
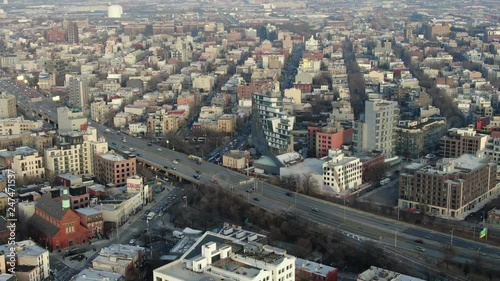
(397,208)
(185,200)
(168,147)
(451,237)
(396,238)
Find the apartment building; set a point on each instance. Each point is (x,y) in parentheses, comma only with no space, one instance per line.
(99,111)
(78,92)
(271,125)
(28,166)
(453,188)
(322,139)
(217,256)
(114,169)
(70,119)
(7,106)
(30,258)
(17,126)
(171,123)
(226,123)
(74,153)
(416,139)
(342,173)
(461,141)
(210,113)
(376,131)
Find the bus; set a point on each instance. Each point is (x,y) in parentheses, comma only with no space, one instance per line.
(195,158)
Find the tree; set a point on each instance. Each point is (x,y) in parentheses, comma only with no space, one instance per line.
(309,185)
(375,173)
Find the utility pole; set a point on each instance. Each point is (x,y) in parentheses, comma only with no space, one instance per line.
(451,237)
(396,238)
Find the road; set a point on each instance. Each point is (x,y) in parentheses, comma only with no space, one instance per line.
(351,221)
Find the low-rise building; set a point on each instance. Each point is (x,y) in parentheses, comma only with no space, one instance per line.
(28,254)
(97,275)
(92,220)
(119,208)
(451,189)
(121,259)
(71,120)
(113,168)
(322,139)
(217,256)
(7,106)
(341,173)
(494,218)
(17,126)
(226,123)
(380,274)
(235,159)
(138,129)
(25,162)
(419,138)
(461,141)
(308,270)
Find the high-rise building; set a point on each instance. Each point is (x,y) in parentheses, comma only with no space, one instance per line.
(376,131)
(462,141)
(453,188)
(271,125)
(7,106)
(78,93)
(72,33)
(75,153)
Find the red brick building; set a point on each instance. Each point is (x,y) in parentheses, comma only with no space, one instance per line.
(246,91)
(114,169)
(56,35)
(92,220)
(304,88)
(56,227)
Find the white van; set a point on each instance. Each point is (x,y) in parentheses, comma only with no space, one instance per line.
(385,181)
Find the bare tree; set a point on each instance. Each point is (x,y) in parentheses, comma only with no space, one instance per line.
(309,185)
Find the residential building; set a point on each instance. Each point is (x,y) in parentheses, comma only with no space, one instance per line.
(111,168)
(90,274)
(416,139)
(138,129)
(4,203)
(117,210)
(217,256)
(380,274)
(453,188)
(226,123)
(72,33)
(78,93)
(271,125)
(79,196)
(46,81)
(28,253)
(75,153)
(461,141)
(8,277)
(121,259)
(7,106)
(341,173)
(28,166)
(99,111)
(70,119)
(236,160)
(308,270)
(171,123)
(121,119)
(376,131)
(322,139)
(92,220)
(18,126)
(57,227)
(210,113)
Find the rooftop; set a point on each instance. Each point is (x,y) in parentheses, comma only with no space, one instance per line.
(87,211)
(112,157)
(97,275)
(380,274)
(23,150)
(313,267)
(25,248)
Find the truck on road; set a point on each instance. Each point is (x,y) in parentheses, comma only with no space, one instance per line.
(150,216)
(195,158)
(385,181)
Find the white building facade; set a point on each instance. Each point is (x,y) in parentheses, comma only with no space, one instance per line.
(341,173)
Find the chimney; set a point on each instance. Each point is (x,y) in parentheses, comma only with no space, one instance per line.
(65,200)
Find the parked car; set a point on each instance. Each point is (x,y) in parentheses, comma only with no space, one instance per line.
(289,194)
(316,210)
(420,249)
(256,199)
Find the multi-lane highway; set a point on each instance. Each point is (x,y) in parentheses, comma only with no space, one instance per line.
(354,223)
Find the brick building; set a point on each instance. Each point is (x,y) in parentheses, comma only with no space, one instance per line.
(92,220)
(322,139)
(56,227)
(452,189)
(114,169)
(461,141)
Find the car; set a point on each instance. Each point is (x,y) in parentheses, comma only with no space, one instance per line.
(175,162)
(420,249)
(113,143)
(139,155)
(316,210)
(173,168)
(132,241)
(165,166)
(289,194)
(158,149)
(250,190)
(198,172)
(419,241)
(256,199)
(196,176)
(150,144)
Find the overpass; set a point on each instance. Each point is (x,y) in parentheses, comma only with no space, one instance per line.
(362,225)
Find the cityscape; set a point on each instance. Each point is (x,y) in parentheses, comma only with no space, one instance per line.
(249,140)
